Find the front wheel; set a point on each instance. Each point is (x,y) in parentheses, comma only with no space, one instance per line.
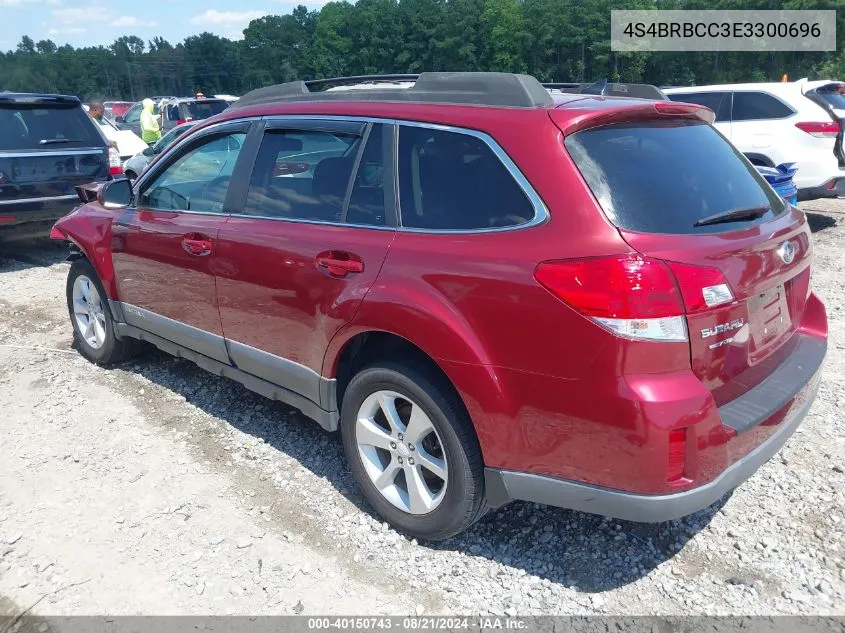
(411,446)
(93,326)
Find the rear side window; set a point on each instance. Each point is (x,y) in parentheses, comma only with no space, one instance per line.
(663,177)
(719,102)
(750,106)
(39,127)
(302,175)
(454,181)
(203,109)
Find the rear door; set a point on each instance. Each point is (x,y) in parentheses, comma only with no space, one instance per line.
(164,249)
(316,222)
(47,146)
(754,269)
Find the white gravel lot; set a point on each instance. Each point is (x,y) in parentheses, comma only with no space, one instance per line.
(154,487)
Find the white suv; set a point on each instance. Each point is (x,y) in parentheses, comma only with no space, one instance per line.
(788,122)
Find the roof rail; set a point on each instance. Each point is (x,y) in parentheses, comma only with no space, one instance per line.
(602,87)
(467,88)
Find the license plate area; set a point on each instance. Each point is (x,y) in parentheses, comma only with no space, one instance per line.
(768,314)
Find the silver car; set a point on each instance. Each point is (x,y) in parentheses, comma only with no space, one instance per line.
(133,167)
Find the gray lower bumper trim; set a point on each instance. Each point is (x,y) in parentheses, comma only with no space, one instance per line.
(778,388)
(506,485)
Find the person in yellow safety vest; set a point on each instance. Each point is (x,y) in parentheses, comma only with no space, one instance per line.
(150,129)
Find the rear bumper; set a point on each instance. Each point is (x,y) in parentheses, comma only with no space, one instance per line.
(25,219)
(791,389)
(833,188)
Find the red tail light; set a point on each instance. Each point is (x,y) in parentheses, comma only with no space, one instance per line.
(677,455)
(702,287)
(115,167)
(635,296)
(630,295)
(56,234)
(820,129)
(181,121)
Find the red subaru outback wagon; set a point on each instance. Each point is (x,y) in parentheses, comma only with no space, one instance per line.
(589,302)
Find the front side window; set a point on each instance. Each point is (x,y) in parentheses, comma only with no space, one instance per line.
(751,106)
(302,175)
(198,180)
(454,181)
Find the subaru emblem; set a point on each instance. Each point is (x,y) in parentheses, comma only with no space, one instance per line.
(786,252)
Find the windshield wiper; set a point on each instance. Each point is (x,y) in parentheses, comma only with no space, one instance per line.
(55,141)
(734,215)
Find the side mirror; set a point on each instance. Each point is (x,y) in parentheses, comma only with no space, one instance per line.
(116,194)
(118,119)
(149,151)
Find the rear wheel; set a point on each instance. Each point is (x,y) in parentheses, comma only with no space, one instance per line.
(413,449)
(93,326)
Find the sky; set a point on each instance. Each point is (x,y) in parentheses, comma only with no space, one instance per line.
(95,22)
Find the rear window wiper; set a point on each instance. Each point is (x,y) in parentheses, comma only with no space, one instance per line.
(56,141)
(734,215)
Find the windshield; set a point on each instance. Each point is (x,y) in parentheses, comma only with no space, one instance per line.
(36,126)
(664,177)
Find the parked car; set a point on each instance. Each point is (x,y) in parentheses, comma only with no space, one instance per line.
(138,163)
(116,108)
(493,296)
(772,123)
(174,112)
(127,142)
(48,146)
(780,178)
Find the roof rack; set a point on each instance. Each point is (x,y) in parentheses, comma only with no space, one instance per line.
(487,89)
(602,87)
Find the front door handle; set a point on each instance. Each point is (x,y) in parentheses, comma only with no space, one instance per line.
(339,263)
(196,244)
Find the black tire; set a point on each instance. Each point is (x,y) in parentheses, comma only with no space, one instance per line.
(113,349)
(464,501)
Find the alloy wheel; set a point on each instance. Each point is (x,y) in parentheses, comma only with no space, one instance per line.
(89,313)
(401,452)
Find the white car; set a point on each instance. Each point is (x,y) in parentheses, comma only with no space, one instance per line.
(128,143)
(787,122)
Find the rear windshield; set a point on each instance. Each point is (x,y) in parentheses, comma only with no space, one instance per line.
(663,177)
(34,126)
(204,109)
(834,95)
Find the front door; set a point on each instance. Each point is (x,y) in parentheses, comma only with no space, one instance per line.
(293,268)
(164,249)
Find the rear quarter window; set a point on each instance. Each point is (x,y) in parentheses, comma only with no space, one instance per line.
(663,177)
(756,106)
(204,109)
(450,181)
(37,126)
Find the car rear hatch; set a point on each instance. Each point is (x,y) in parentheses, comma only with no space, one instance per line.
(48,146)
(686,199)
(830,95)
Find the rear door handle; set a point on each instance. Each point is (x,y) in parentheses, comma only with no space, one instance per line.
(196,244)
(339,263)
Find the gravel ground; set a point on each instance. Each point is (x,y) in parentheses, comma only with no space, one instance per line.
(155,487)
